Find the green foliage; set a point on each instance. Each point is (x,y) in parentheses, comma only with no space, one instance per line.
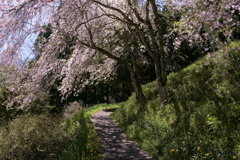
(88,112)
(6,114)
(31,137)
(34,136)
(43,107)
(203,106)
(145,127)
(3,112)
(83,142)
(190,147)
(204,95)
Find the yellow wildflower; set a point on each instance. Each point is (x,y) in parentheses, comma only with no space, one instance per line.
(206,142)
(172,150)
(183,142)
(207,154)
(234,157)
(177,150)
(198,148)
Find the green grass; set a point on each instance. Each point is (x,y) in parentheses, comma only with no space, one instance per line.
(83,143)
(88,112)
(203,106)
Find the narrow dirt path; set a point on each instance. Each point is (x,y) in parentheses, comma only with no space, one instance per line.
(116,145)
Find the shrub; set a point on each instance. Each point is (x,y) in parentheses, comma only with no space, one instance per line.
(83,142)
(32,137)
(5,114)
(71,109)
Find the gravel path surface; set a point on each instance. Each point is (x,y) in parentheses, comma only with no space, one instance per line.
(116,145)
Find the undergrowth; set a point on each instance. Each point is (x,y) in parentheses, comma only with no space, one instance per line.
(46,137)
(201,118)
(83,142)
(32,137)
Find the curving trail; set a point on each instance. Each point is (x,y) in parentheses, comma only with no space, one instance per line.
(116,145)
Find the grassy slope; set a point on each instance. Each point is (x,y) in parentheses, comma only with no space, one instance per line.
(202,116)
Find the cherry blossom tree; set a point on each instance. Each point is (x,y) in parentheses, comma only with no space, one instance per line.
(85,23)
(209,21)
(98,28)
(147,21)
(101,33)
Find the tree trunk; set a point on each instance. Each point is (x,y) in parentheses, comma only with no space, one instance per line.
(136,84)
(160,81)
(122,92)
(107,93)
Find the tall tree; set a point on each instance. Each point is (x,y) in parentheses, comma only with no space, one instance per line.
(94,25)
(147,20)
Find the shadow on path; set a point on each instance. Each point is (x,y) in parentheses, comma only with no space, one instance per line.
(116,145)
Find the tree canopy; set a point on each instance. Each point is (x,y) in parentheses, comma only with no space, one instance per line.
(100,33)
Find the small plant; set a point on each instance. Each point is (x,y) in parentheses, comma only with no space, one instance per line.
(190,147)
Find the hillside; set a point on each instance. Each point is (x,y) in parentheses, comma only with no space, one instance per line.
(201,119)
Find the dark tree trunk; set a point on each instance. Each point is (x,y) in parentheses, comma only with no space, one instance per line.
(95,98)
(160,81)
(123,92)
(136,84)
(86,96)
(107,93)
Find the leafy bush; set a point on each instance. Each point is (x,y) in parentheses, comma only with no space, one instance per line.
(3,112)
(32,137)
(82,142)
(71,109)
(5,115)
